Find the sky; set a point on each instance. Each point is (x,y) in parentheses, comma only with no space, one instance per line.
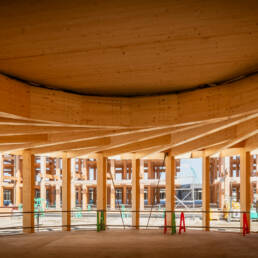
(187,175)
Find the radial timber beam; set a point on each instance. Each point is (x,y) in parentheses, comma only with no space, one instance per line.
(232,134)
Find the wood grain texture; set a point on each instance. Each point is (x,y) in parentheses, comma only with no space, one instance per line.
(128,47)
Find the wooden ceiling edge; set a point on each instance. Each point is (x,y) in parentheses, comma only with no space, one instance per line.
(33,103)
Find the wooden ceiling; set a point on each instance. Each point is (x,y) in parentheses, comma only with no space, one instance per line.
(50,122)
(120,50)
(128,48)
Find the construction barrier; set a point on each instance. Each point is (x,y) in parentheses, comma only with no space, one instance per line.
(245,225)
(182,222)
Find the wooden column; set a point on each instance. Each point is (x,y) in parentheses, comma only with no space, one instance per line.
(222,184)
(102,183)
(150,170)
(18,181)
(124,177)
(149,195)
(84,187)
(170,187)
(227,172)
(245,196)
(84,197)
(28,191)
(85,170)
(66,193)
(1,181)
(256,176)
(58,192)
(80,195)
(51,195)
(124,195)
(141,185)
(73,186)
(206,192)
(136,192)
(112,188)
(43,167)
(58,186)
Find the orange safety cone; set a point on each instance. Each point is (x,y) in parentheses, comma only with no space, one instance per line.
(182,222)
(165,223)
(245,225)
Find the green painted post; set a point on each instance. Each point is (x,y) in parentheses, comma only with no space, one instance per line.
(173,229)
(102,221)
(98,224)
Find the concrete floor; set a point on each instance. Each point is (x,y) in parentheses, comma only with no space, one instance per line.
(130,243)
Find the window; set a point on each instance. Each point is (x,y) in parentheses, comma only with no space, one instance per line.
(7,197)
(145,194)
(91,174)
(91,195)
(118,176)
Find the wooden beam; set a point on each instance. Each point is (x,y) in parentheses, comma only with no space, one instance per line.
(230,152)
(251,143)
(66,193)
(17,122)
(70,141)
(243,132)
(23,138)
(133,137)
(28,191)
(72,145)
(233,134)
(39,104)
(189,138)
(140,145)
(6,130)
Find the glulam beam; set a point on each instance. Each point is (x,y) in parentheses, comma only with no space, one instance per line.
(229,136)
(33,103)
(140,145)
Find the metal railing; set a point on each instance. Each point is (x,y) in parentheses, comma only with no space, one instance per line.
(87,220)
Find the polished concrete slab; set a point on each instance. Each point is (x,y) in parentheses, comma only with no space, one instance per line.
(130,243)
